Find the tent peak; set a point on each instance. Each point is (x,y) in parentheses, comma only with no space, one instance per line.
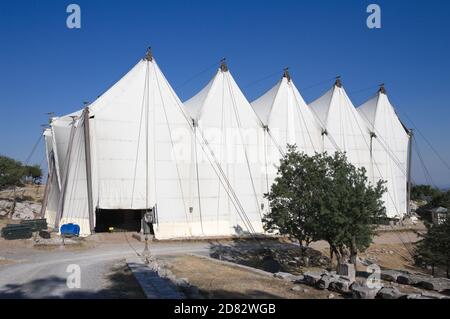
(286,74)
(149,55)
(338,82)
(223,65)
(382,89)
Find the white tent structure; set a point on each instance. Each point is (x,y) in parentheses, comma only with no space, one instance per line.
(388,152)
(225,121)
(133,149)
(342,127)
(202,168)
(286,119)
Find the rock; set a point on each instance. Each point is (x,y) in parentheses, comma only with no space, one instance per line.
(26,210)
(340,285)
(390,275)
(410,279)
(285,276)
(297,288)
(389,293)
(347,270)
(436,284)
(299,279)
(363,292)
(416,296)
(311,278)
(433,295)
(325,281)
(331,296)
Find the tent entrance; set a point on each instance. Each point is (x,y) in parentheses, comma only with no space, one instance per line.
(115,220)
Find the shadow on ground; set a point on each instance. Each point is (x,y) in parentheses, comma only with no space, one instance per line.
(119,284)
(268,255)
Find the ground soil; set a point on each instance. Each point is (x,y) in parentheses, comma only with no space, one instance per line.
(219,280)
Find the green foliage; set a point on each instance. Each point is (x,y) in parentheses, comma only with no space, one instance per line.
(434,248)
(419,192)
(324,197)
(13,172)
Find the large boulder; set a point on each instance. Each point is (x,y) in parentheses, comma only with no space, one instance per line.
(326,280)
(410,279)
(26,210)
(363,292)
(390,275)
(340,285)
(311,278)
(286,276)
(389,293)
(436,284)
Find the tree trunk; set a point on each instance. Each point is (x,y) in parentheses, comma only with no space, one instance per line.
(353,251)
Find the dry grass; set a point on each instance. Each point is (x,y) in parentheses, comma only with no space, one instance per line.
(219,280)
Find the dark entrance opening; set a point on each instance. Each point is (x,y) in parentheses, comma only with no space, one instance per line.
(108,220)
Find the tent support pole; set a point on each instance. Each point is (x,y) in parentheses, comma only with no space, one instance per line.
(60,209)
(408,199)
(47,187)
(87,150)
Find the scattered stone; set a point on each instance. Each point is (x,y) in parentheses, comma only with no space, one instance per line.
(311,278)
(340,285)
(417,296)
(325,281)
(285,276)
(390,275)
(389,293)
(363,292)
(436,284)
(347,270)
(26,210)
(433,295)
(410,279)
(331,296)
(297,288)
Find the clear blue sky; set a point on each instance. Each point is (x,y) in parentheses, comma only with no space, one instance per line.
(46,67)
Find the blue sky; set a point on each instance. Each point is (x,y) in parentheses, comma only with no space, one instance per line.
(46,67)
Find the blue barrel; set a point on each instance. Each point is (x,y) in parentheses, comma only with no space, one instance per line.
(70,230)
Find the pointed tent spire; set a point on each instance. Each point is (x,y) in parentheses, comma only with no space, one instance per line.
(223,65)
(338,82)
(149,54)
(286,74)
(382,89)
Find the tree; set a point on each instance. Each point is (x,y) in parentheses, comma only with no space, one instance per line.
(294,196)
(11,172)
(327,198)
(434,248)
(34,172)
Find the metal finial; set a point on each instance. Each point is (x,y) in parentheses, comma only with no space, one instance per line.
(338,82)
(286,74)
(149,54)
(223,65)
(382,89)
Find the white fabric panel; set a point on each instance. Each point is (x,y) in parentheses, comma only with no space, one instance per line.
(231,130)
(289,119)
(54,192)
(389,152)
(76,209)
(142,110)
(346,129)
